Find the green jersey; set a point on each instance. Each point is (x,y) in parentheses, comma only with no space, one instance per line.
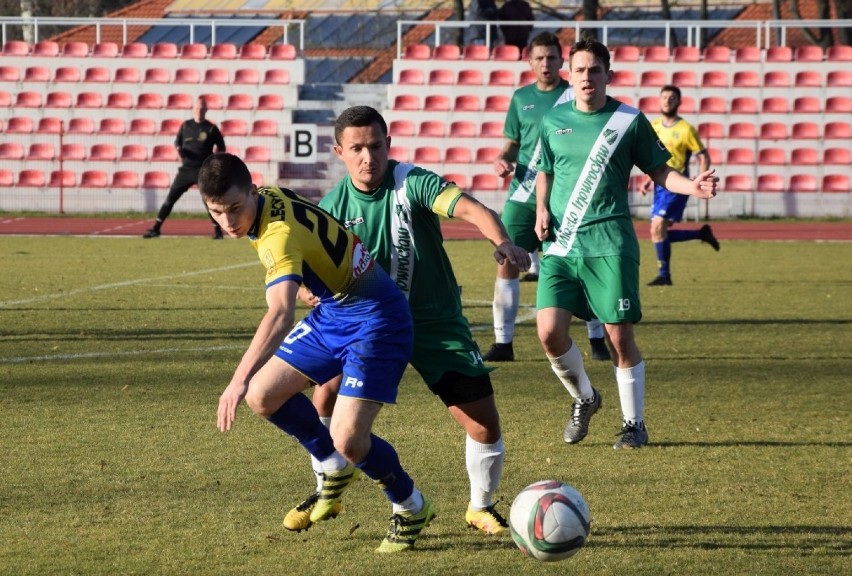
(400,225)
(590,155)
(528,106)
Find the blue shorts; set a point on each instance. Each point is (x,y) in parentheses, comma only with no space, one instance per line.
(668,205)
(367,339)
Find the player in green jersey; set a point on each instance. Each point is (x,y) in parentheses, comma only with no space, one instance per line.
(519,155)
(590,266)
(395,209)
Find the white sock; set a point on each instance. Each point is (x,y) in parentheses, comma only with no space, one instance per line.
(316,465)
(631,392)
(534,267)
(505,308)
(595,329)
(569,369)
(411,505)
(484,468)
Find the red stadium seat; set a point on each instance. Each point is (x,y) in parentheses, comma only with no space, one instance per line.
(170,126)
(187,76)
(837,157)
(506,52)
(838,131)
(73,151)
(442,77)
(10,74)
(458,155)
(234,127)
(686,54)
(779,54)
(30,99)
(240,102)
(770,183)
(81,126)
(252,51)
(105,50)
(20,125)
(120,100)
(803,183)
(135,50)
(807,105)
(805,131)
(685,79)
(485,182)
(470,78)
(258,154)
(741,156)
(31,179)
(16,48)
(217,76)
(773,131)
(164,50)
(838,105)
(839,78)
(467,103)
(103,153)
(432,128)
(194,51)
(49,125)
(75,49)
(63,179)
(716,157)
(653,78)
(427,155)
(462,129)
(412,76)
(656,54)
(275,76)
(836,183)
(406,102)
(497,103)
(713,105)
(743,105)
(401,128)
(475,52)
(437,103)
(710,130)
(58,100)
(804,157)
(487,154)
(282,52)
(619,78)
(223,51)
(157,76)
(93,179)
(717,54)
(772,157)
(839,53)
(89,100)
(270,102)
(97,75)
(264,127)
(417,52)
(164,153)
(459,180)
(11,151)
(67,74)
(149,101)
(742,130)
(501,78)
(809,53)
(491,128)
(46,48)
(125,179)
(649,105)
(133,153)
(745,79)
(248,76)
(127,75)
(156,179)
(775,105)
(626,53)
(714,79)
(777,79)
(40,151)
(214,101)
(808,79)
(7,178)
(400,153)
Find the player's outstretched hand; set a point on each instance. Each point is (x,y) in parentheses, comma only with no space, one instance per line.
(705,184)
(228,402)
(516,255)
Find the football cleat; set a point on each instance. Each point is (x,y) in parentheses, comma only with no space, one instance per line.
(406,527)
(631,436)
(500,353)
(299,518)
(706,235)
(599,349)
(487,520)
(530,277)
(333,486)
(581,415)
(661,281)
(152,233)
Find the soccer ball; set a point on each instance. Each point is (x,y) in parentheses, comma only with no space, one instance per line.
(549,520)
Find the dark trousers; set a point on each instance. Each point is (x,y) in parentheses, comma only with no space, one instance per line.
(186,177)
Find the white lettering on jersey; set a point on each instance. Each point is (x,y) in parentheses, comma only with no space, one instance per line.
(402,235)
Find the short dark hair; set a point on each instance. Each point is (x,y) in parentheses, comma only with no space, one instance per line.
(546,39)
(589,44)
(671,88)
(220,172)
(358,117)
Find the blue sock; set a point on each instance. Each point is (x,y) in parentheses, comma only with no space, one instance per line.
(382,465)
(298,418)
(664,255)
(683,235)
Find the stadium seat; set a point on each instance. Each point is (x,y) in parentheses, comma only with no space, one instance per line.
(805,131)
(49,125)
(31,179)
(127,75)
(770,183)
(401,128)
(716,157)
(837,157)
(223,51)
(809,53)
(7,178)
(441,77)
(838,105)
(89,100)
(772,157)
(16,48)
(491,128)
(462,129)
(125,179)
(485,182)
(436,103)
(432,128)
(240,102)
(157,75)
(20,125)
(111,126)
(11,151)
(686,54)
(120,100)
(97,75)
(169,126)
(803,183)
(775,105)
(487,154)
(412,76)
(839,53)
(712,105)
(777,79)
(626,78)
(839,78)
(717,54)
(134,50)
(497,103)
(282,52)
(407,102)
(252,51)
(711,130)
(804,157)
(93,179)
(234,127)
(214,101)
(807,105)
(745,79)
(470,78)
(275,76)
(40,151)
(258,153)
(193,51)
(808,79)
(105,50)
(501,77)
(164,153)
(400,153)
(250,76)
(477,52)
(70,74)
(458,155)
(656,53)
(47,48)
(133,153)
(81,126)
(838,131)
(773,131)
(742,130)
(62,179)
(685,79)
(75,49)
(58,99)
(10,74)
(417,52)
(156,179)
(30,99)
(836,183)
(467,103)
(164,50)
(103,153)
(149,101)
(714,79)
(651,78)
(217,76)
(73,151)
(626,53)
(427,155)
(506,52)
(649,105)
(740,156)
(270,102)
(779,54)
(264,127)
(187,76)
(743,105)
(628,100)
(459,180)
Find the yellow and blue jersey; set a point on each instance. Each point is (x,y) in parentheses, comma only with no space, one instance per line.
(681,140)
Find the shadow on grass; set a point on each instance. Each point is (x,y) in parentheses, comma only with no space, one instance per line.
(757,443)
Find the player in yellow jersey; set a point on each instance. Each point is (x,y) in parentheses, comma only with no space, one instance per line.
(361,329)
(682,141)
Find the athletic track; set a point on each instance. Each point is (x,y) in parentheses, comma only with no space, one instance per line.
(453,230)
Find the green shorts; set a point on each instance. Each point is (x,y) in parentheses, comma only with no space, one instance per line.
(445,345)
(519,220)
(603,287)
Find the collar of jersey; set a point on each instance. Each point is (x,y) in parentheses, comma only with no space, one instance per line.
(252,233)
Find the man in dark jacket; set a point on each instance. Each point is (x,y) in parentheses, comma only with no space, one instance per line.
(513,11)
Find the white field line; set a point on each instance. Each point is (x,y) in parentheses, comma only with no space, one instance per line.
(90,355)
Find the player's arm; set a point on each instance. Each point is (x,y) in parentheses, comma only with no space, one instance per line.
(703,186)
(703,160)
(471,210)
(543,185)
(505,162)
(273,328)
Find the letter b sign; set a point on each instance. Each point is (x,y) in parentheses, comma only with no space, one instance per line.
(303,143)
